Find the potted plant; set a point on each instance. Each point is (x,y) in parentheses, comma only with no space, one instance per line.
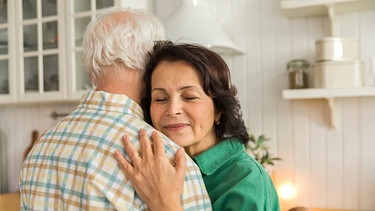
(258,148)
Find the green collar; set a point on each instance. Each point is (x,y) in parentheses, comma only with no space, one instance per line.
(213,158)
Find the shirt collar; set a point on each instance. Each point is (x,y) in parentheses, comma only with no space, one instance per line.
(216,156)
(101,100)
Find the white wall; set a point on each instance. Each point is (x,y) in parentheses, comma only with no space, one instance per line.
(331,168)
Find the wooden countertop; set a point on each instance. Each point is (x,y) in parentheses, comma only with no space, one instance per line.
(10,201)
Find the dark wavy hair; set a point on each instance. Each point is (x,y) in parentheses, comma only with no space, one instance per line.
(215,75)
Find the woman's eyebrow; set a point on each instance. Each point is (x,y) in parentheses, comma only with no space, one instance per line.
(182,88)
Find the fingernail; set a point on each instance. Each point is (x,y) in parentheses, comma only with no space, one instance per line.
(142,130)
(124,139)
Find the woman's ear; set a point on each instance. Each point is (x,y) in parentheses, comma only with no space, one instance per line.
(217,118)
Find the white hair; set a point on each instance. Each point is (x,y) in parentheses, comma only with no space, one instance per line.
(119,43)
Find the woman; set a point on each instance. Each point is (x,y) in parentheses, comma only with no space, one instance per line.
(189,98)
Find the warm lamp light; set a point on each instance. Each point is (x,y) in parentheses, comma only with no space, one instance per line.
(287,191)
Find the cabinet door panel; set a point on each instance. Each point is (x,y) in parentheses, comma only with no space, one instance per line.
(29,9)
(82,5)
(50,37)
(3,12)
(79,29)
(49,8)
(104,4)
(30,37)
(4,47)
(51,73)
(31,75)
(4,77)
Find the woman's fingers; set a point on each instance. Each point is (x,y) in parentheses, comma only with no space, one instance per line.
(133,155)
(156,180)
(145,144)
(181,162)
(126,167)
(158,144)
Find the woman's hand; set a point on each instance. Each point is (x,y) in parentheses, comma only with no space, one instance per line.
(155,179)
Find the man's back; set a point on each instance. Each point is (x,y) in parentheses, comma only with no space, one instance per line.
(72,165)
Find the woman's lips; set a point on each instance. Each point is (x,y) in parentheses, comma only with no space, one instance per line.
(175,127)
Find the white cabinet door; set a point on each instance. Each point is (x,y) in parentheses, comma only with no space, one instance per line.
(40,52)
(7,76)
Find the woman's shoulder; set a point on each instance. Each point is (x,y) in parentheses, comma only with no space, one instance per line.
(246,165)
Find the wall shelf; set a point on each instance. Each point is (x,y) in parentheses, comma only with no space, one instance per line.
(308,8)
(329,94)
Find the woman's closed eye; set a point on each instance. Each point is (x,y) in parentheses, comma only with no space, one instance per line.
(160,100)
(190,98)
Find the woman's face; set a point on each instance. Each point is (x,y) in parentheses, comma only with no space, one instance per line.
(180,109)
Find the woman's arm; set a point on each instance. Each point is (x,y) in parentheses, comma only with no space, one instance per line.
(154,178)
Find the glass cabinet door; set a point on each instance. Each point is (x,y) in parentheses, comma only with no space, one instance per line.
(5,74)
(40,48)
(83,11)
(4,49)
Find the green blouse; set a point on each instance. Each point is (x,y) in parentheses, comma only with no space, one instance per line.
(234,180)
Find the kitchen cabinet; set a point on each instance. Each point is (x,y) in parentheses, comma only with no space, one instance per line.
(41,48)
(7,76)
(39,67)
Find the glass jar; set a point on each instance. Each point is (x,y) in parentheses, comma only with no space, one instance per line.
(297,72)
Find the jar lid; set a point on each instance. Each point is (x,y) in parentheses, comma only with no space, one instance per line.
(298,64)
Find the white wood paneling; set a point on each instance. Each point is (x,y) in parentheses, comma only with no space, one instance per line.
(351,152)
(317,153)
(368,156)
(334,150)
(16,126)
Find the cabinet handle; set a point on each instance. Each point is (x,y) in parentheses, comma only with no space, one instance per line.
(55,115)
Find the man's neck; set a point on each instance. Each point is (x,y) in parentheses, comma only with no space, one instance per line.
(127,83)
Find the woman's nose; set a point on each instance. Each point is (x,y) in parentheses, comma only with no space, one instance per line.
(174,108)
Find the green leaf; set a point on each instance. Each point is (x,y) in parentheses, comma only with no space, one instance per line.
(258,148)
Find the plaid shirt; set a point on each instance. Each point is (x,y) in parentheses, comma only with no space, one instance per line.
(71,167)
